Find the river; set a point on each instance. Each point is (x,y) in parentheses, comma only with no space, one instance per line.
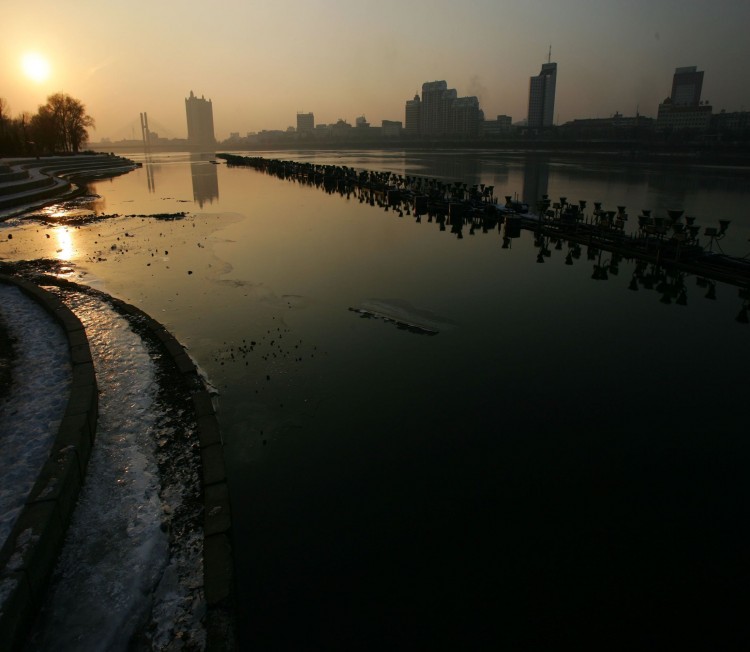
(564,459)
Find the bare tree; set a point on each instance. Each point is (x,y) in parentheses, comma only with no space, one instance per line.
(45,131)
(61,124)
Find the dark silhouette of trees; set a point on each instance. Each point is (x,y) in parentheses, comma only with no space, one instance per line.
(60,125)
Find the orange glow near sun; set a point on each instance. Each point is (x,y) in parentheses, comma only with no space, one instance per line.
(35,67)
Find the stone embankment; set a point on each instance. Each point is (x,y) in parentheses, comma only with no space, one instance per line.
(31,182)
(28,557)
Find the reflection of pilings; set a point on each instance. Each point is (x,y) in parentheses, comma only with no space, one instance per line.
(667,252)
(535,179)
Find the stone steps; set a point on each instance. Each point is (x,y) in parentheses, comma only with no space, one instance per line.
(28,183)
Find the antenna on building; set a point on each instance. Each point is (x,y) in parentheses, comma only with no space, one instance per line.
(549,56)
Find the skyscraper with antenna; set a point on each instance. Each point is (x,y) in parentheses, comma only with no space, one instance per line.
(542,95)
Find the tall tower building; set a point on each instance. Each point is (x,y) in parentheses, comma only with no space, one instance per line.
(305,123)
(413,115)
(441,113)
(467,116)
(687,85)
(437,102)
(542,97)
(200,123)
(683,108)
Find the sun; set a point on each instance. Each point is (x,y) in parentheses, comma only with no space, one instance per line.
(35,66)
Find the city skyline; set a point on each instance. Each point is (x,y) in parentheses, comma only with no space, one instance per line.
(342,60)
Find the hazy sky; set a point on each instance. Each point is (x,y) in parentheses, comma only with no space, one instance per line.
(261,61)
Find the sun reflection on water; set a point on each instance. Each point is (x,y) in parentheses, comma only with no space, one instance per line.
(64,243)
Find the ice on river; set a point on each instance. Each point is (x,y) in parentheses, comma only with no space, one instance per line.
(31,413)
(404,315)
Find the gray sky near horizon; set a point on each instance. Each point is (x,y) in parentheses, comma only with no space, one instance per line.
(261,61)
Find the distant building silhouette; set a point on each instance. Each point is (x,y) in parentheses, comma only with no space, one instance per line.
(413,115)
(305,123)
(391,128)
(683,108)
(340,130)
(687,84)
(200,123)
(542,97)
(616,126)
(737,121)
(440,113)
(437,99)
(501,126)
(361,122)
(466,116)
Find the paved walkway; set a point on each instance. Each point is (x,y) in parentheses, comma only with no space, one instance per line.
(174,462)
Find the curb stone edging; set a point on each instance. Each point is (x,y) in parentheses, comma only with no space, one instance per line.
(54,495)
(218,564)
(28,556)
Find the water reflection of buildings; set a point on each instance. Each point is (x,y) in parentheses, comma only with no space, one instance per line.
(535,180)
(453,166)
(205,179)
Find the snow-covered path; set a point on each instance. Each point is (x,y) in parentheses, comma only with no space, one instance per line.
(120,583)
(115,550)
(31,413)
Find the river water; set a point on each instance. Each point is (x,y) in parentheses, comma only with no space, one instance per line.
(565,459)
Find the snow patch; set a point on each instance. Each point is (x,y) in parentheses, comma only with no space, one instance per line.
(31,413)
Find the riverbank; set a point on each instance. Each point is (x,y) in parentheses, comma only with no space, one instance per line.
(196,585)
(713,153)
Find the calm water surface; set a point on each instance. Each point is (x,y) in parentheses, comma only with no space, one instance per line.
(567,458)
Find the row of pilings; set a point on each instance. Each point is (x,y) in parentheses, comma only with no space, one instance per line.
(668,241)
(342,178)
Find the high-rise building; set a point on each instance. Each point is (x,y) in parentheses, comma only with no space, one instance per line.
(200,123)
(305,123)
(542,97)
(437,101)
(683,108)
(466,116)
(687,84)
(441,112)
(413,115)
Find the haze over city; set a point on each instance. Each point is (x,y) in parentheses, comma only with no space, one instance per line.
(262,62)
